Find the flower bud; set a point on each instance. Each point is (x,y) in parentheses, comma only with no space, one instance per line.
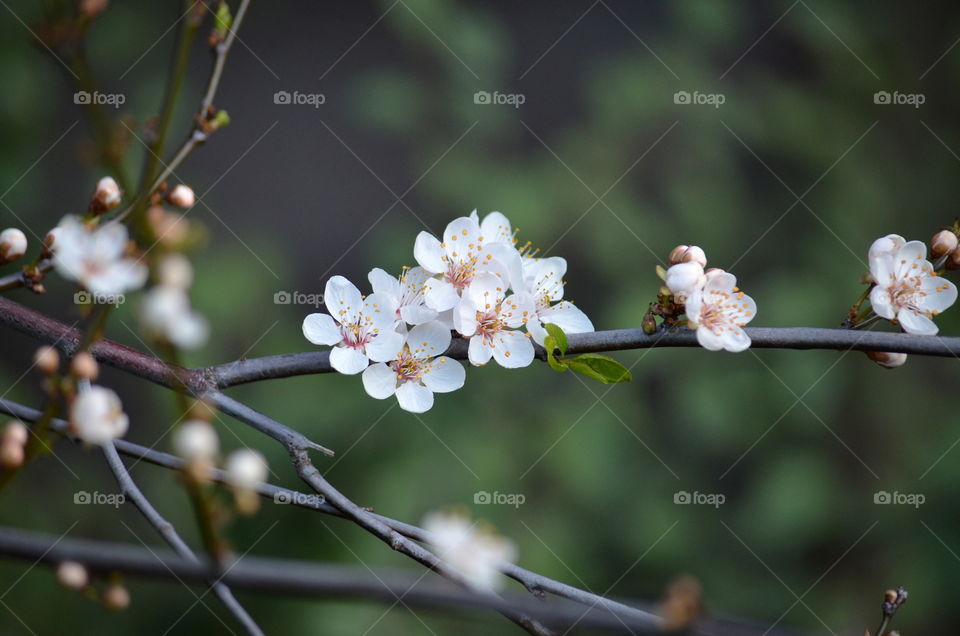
(97,417)
(50,241)
(942,243)
(84,366)
(196,440)
(953,262)
(676,254)
(47,360)
(174,270)
(13,245)
(11,455)
(246,468)
(72,575)
(106,196)
(15,432)
(890,596)
(116,597)
(182,196)
(684,279)
(694,255)
(649,324)
(887,360)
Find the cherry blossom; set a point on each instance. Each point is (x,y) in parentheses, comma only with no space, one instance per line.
(417,370)
(685,279)
(907,288)
(491,319)
(543,278)
(95,257)
(97,416)
(403,295)
(477,554)
(718,312)
(361,329)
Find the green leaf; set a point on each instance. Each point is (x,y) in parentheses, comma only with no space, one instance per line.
(599,367)
(560,338)
(550,343)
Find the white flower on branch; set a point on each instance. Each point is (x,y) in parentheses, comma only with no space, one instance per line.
(543,280)
(246,468)
(490,319)
(13,245)
(718,312)
(685,280)
(403,296)
(96,258)
(907,288)
(97,417)
(196,441)
(166,314)
(362,329)
(477,554)
(417,370)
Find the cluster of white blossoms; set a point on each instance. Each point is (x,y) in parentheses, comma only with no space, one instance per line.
(474,282)
(476,553)
(711,300)
(166,312)
(906,287)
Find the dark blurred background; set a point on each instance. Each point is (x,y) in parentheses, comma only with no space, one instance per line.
(598,164)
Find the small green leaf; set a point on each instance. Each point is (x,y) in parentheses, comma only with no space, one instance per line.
(599,367)
(550,343)
(560,338)
(222,20)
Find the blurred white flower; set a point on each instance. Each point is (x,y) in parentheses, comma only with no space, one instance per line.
(175,270)
(543,279)
(196,440)
(719,311)
(477,554)
(246,468)
(166,313)
(95,258)
(490,319)
(907,288)
(417,370)
(403,296)
(97,417)
(13,245)
(361,329)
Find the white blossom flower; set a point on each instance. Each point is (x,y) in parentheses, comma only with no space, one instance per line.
(684,280)
(463,254)
(97,416)
(477,554)
(95,258)
(362,329)
(166,313)
(174,270)
(417,370)
(719,311)
(13,245)
(907,288)
(196,440)
(246,468)
(490,319)
(403,296)
(543,278)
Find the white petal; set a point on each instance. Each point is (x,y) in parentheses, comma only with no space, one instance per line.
(379,313)
(914,323)
(385,347)
(428,340)
(881,302)
(414,397)
(735,339)
(684,279)
(485,291)
(343,300)
(347,360)
(321,329)
(496,228)
(444,375)
(537,331)
(417,314)
(460,234)
(379,381)
(513,350)
(886,245)
(547,275)
(517,309)
(383,283)
(505,261)
(478,352)
(440,295)
(940,294)
(464,318)
(709,340)
(429,253)
(568,317)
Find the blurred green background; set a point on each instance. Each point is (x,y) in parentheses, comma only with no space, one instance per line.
(797,442)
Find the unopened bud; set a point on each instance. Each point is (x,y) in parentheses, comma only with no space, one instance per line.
(106,196)
(683,279)
(72,575)
(174,270)
(15,432)
(887,360)
(694,255)
(182,196)
(84,366)
(676,254)
(196,440)
(942,243)
(47,360)
(890,596)
(11,455)
(246,468)
(50,242)
(13,245)
(649,324)
(953,262)
(116,597)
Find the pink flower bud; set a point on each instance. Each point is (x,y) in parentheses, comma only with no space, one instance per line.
(695,254)
(887,360)
(72,575)
(943,243)
(676,254)
(13,245)
(182,197)
(106,196)
(47,360)
(15,432)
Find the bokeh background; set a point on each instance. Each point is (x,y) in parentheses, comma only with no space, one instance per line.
(600,165)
